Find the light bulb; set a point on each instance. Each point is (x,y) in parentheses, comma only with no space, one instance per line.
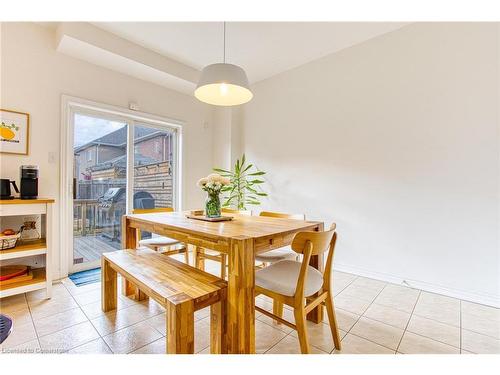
(223,89)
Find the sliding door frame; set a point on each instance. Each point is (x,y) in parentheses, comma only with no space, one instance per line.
(73,105)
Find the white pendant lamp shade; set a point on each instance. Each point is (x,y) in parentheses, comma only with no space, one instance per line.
(223,84)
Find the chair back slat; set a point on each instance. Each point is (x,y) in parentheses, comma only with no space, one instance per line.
(283,215)
(152,210)
(320,241)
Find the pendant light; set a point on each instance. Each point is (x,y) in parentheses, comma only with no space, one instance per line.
(223,84)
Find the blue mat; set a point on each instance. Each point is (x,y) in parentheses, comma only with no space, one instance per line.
(86,277)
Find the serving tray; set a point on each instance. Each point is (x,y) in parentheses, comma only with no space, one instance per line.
(211,219)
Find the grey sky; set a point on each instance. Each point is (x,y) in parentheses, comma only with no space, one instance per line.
(89,128)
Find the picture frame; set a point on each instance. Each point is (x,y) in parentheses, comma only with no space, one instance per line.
(14,132)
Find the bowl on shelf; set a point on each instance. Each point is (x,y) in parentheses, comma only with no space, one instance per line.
(8,241)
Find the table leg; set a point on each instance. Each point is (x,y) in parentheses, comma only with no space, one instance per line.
(241,297)
(130,239)
(317,261)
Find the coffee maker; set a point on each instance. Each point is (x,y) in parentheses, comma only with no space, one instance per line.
(29,182)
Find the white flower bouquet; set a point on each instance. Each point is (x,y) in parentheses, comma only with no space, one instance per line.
(213,184)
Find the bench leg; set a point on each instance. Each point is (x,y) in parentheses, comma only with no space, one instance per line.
(109,294)
(131,291)
(218,344)
(180,328)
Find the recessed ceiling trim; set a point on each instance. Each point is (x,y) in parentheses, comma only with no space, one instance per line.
(99,47)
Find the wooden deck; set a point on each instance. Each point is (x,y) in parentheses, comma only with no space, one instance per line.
(90,248)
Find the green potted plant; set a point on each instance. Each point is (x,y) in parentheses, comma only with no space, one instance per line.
(245,185)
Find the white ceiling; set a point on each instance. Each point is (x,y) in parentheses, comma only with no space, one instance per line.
(263,49)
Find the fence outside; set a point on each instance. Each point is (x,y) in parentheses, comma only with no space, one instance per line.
(88,217)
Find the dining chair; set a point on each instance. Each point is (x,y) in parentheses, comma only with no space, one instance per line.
(301,286)
(157,243)
(200,254)
(282,253)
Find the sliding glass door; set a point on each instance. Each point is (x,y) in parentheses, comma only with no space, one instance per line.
(118,164)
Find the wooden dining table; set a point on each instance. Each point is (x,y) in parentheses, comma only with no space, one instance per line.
(241,239)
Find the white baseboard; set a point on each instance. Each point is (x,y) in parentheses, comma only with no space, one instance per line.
(485,299)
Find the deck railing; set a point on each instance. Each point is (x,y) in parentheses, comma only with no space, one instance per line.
(85,220)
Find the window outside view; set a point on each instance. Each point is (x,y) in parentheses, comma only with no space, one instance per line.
(100,180)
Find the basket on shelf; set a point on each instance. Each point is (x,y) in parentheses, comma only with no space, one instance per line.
(9,242)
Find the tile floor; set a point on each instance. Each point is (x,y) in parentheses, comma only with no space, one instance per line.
(374,318)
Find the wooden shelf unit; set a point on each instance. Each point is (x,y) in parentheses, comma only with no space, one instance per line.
(25,249)
(42,277)
(38,281)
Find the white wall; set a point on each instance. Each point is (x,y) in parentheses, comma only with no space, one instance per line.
(33,78)
(396,140)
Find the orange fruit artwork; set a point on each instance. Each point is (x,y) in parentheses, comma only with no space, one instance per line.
(7,133)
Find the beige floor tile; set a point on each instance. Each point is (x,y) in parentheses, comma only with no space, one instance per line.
(88,297)
(363,293)
(205,351)
(158,322)
(201,340)
(388,315)
(94,310)
(480,344)
(119,319)
(59,321)
(151,307)
(69,338)
(128,339)
(352,344)
(340,283)
(116,320)
(435,312)
(398,297)
(20,334)
(266,336)
(339,276)
(439,300)
(75,290)
(351,304)
(379,333)
(290,345)
(58,291)
(13,303)
(416,344)
(434,330)
(320,336)
(287,315)
(437,307)
(43,308)
(202,314)
(201,334)
(483,311)
(345,319)
(20,317)
(156,347)
(480,324)
(364,282)
(97,346)
(466,352)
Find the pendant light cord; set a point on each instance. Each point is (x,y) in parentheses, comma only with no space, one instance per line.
(224,28)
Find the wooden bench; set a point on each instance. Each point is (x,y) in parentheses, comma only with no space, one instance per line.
(178,287)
